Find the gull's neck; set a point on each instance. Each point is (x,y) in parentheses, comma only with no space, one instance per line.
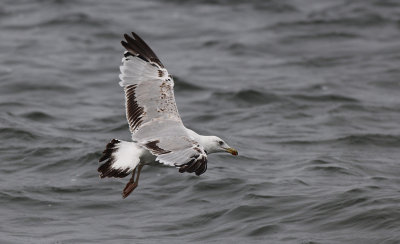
(203,140)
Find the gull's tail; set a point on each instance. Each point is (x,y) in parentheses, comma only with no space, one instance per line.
(119,159)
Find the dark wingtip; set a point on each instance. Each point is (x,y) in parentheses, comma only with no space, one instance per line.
(138,46)
(196,165)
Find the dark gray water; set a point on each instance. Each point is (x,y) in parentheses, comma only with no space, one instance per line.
(307,91)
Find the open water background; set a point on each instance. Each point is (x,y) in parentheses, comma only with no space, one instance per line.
(308,91)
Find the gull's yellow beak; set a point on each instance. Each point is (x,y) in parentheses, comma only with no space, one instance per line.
(232,151)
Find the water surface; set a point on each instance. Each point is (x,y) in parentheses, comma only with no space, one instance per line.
(307,91)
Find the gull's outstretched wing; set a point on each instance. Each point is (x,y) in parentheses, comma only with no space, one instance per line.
(151,109)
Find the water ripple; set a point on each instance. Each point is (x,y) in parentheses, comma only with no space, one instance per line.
(306,90)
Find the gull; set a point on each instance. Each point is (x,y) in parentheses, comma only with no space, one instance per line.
(158,133)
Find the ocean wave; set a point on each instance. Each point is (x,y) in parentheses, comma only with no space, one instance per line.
(323,98)
(371,139)
(74,18)
(38,116)
(21,134)
(331,169)
(328,35)
(182,85)
(264,230)
(217,185)
(29,87)
(273,6)
(372,19)
(356,140)
(247,97)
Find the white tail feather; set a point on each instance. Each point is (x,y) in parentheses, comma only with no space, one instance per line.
(120,157)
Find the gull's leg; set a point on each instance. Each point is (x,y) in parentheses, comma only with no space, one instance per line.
(132,184)
(138,174)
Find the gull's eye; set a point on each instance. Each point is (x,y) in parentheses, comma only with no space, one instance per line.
(220,143)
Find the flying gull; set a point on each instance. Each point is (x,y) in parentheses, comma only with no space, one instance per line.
(158,133)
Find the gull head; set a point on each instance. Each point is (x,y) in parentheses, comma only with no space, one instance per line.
(213,144)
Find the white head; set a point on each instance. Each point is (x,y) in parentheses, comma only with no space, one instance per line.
(213,144)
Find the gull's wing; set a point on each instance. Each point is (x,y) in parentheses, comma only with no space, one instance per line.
(148,86)
(151,109)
